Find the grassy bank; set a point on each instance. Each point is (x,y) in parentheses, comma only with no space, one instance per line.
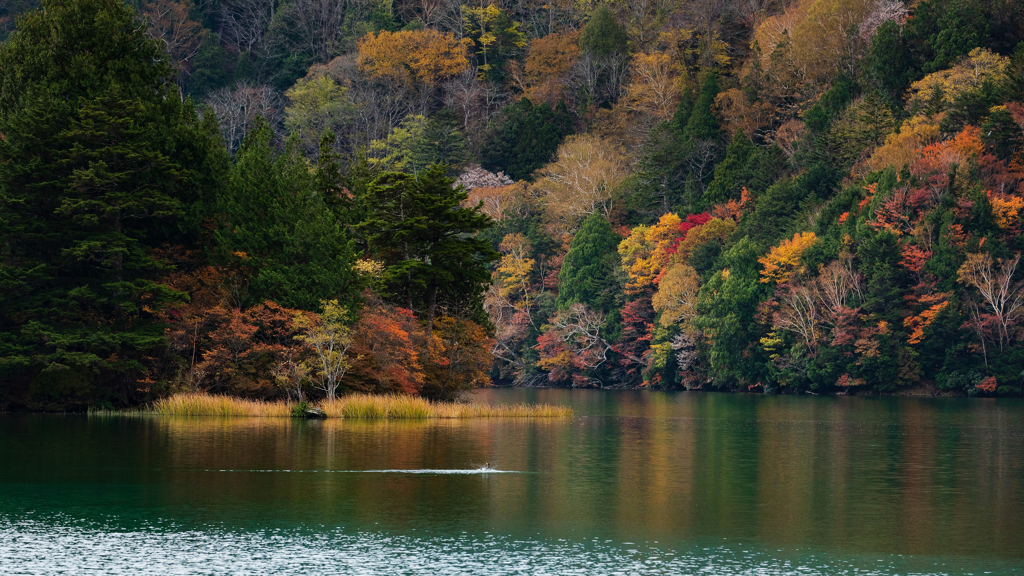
(354,406)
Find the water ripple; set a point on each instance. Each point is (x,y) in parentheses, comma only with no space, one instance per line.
(29,548)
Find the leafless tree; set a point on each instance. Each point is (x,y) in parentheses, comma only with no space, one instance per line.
(181,36)
(244,23)
(431,12)
(313,27)
(237,109)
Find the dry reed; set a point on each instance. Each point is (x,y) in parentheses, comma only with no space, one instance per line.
(200,404)
(362,406)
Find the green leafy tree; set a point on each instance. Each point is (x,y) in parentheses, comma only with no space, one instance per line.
(315,105)
(417,225)
(591,269)
(729,181)
(441,143)
(890,66)
(278,233)
(603,36)
(726,307)
(100,161)
(820,116)
(702,123)
(525,137)
(496,39)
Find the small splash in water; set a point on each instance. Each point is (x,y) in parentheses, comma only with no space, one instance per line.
(485,469)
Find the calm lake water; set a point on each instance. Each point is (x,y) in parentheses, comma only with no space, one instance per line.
(637,483)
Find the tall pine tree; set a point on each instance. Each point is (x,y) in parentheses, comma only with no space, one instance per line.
(97,162)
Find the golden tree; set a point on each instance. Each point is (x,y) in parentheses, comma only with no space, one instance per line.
(413,56)
(783,261)
(677,295)
(582,180)
(646,251)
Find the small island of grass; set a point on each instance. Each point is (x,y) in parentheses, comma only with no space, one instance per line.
(351,406)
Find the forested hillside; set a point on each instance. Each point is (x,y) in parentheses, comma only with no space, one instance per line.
(306,197)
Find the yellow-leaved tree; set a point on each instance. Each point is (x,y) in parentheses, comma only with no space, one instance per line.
(967,76)
(677,295)
(655,86)
(783,261)
(646,251)
(582,180)
(329,337)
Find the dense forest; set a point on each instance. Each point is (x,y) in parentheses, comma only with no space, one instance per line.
(272,198)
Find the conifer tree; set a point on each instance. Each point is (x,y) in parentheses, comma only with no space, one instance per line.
(591,269)
(279,233)
(702,123)
(603,36)
(417,225)
(729,173)
(525,137)
(98,160)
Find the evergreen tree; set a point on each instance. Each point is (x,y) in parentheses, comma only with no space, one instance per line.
(1013,86)
(419,228)
(97,151)
(590,271)
(889,65)
(702,124)
(729,180)
(727,306)
(603,36)
(278,233)
(820,116)
(525,137)
(441,143)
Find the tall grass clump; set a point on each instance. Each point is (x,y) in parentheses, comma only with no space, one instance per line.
(201,404)
(397,406)
(362,406)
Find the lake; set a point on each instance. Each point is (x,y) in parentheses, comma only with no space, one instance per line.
(637,482)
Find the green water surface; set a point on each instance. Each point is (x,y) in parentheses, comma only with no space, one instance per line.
(637,483)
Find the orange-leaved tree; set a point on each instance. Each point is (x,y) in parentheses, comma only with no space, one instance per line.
(460,358)
(386,349)
(413,56)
